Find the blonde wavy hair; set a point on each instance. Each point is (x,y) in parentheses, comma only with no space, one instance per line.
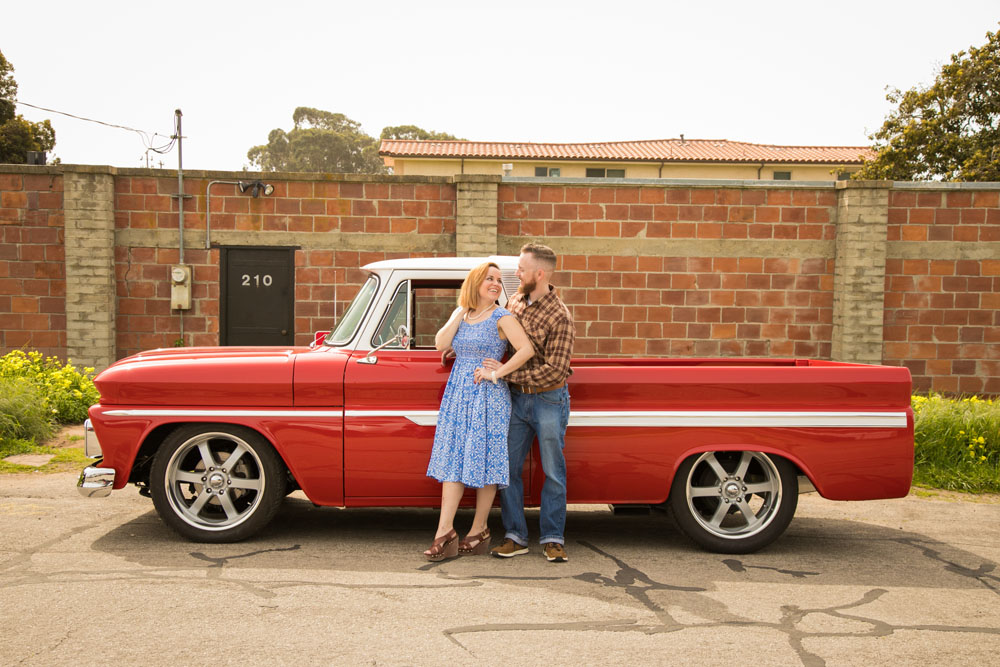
(468,297)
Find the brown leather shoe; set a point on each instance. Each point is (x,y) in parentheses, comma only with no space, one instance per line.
(475,545)
(555,552)
(508,548)
(443,547)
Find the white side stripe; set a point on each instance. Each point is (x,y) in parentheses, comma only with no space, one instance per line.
(419,417)
(143,412)
(638,419)
(689,418)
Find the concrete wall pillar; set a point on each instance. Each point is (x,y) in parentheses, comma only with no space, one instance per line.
(859,272)
(476,215)
(88,201)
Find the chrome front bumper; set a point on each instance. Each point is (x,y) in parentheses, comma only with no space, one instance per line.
(96,482)
(91,445)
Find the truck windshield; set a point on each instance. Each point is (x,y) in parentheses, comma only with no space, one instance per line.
(354,314)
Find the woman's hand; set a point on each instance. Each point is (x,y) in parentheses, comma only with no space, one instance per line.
(486,371)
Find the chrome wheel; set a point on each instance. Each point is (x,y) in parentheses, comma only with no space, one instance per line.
(214,481)
(216,484)
(734,502)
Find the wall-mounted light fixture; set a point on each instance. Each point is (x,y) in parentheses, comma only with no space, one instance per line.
(255,187)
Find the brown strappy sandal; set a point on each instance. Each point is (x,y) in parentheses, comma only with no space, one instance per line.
(443,547)
(475,545)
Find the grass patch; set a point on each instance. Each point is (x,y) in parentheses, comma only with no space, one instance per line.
(64,458)
(957,443)
(16,446)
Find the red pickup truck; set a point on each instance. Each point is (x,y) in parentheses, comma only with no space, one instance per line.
(219,436)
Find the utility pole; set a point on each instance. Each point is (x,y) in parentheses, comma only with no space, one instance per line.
(180,183)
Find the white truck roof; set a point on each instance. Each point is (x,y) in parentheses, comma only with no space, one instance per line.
(507,263)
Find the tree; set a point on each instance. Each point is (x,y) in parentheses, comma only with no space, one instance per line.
(17,135)
(414,133)
(949,130)
(319,141)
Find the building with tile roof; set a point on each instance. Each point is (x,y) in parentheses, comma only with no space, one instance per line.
(660,158)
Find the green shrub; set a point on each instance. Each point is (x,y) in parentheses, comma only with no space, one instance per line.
(957,443)
(64,391)
(23,413)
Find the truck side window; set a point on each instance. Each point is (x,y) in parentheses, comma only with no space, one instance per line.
(395,316)
(428,304)
(432,305)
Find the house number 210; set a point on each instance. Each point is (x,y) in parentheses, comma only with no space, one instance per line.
(257,280)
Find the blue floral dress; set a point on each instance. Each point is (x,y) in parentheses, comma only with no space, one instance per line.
(470,443)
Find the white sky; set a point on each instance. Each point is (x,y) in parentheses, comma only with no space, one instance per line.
(769,72)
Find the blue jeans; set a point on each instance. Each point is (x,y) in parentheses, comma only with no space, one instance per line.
(545,415)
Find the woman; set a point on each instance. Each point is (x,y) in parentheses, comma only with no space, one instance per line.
(470,443)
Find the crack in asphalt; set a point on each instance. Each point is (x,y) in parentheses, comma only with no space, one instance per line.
(51,648)
(214,572)
(738,566)
(224,560)
(981,573)
(24,556)
(636,584)
(638,587)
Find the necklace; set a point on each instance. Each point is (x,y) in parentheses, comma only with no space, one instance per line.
(475,318)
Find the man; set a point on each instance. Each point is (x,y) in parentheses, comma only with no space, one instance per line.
(539,405)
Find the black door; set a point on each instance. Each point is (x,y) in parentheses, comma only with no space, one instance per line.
(258,296)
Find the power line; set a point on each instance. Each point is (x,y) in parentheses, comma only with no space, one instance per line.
(147,137)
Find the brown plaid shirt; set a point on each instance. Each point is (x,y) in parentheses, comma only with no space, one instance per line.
(550,329)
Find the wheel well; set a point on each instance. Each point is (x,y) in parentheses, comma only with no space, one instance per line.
(147,451)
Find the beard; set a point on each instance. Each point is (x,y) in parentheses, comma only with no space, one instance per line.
(527,288)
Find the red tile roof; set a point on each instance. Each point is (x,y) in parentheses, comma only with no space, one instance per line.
(657,150)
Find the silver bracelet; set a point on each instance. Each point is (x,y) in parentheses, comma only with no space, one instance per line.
(493,376)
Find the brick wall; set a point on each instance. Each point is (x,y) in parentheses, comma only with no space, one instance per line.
(32,274)
(942,316)
(675,271)
(649,268)
(338,227)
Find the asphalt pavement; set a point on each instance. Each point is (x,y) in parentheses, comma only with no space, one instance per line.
(912,581)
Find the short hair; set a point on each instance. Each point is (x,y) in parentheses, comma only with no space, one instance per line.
(468,297)
(543,254)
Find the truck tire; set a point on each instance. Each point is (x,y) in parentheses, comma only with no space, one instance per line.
(217,482)
(734,502)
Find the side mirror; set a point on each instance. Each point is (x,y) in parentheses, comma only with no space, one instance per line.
(318,338)
(402,337)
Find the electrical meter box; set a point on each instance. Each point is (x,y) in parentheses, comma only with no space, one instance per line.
(180,287)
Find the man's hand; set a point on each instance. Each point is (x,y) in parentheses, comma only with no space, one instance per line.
(491,364)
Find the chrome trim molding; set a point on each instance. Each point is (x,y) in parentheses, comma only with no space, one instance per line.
(419,417)
(144,412)
(633,418)
(96,482)
(91,445)
(691,418)
(741,418)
